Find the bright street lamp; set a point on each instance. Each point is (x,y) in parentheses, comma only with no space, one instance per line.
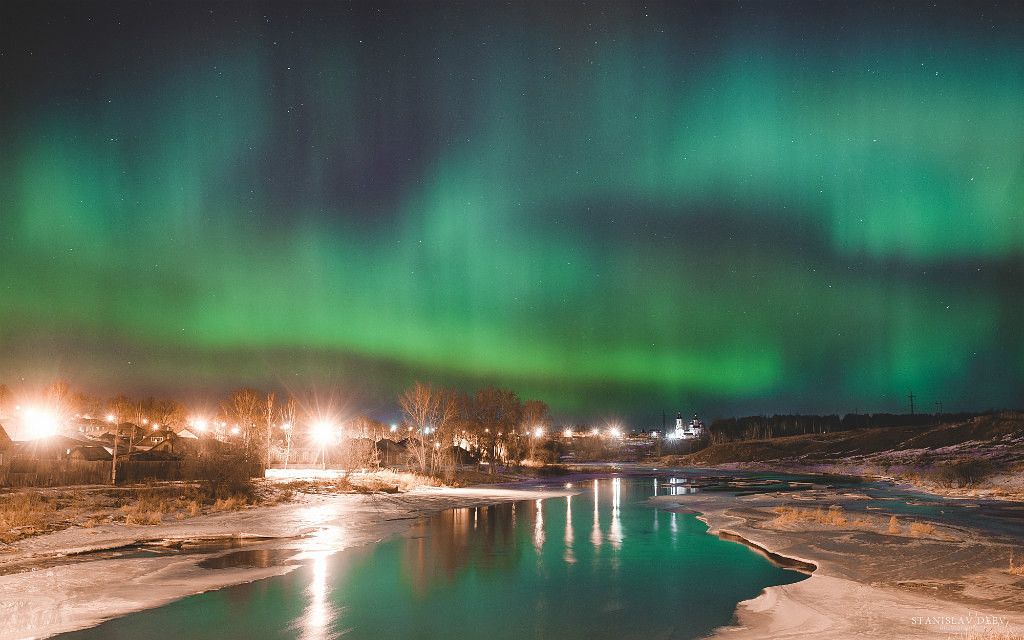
(40,423)
(323,433)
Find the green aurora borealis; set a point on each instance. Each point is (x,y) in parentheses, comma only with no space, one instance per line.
(715,208)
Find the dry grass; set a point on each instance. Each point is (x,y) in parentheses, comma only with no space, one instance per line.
(1015,569)
(834,516)
(143,516)
(922,529)
(894,526)
(148,509)
(23,514)
(232,503)
(362,482)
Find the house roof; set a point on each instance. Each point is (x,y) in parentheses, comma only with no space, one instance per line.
(92,452)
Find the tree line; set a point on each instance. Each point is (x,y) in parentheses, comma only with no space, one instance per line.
(440,426)
(777,426)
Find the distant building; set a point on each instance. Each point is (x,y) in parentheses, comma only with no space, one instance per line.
(687,430)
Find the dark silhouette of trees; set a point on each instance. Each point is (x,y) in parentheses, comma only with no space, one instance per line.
(244,409)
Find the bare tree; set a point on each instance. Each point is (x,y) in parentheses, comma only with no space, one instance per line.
(431,412)
(84,404)
(496,415)
(58,397)
(289,414)
(420,405)
(269,413)
(243,410)
(535,416)
(168,413)
(447,425)
(6,397)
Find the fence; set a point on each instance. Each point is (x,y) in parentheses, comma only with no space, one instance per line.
(56,473)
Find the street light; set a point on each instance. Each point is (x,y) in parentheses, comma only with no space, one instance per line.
(538,432)
(40,423)
(323,433)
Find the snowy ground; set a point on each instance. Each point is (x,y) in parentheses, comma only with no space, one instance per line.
(54,583)
(869,583)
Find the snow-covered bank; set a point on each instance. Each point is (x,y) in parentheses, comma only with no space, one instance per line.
(47,589)
(867,584)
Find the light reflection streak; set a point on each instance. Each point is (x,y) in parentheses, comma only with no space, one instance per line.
(595,533)
(570,556)
(674,527)
(655,510)
(538,528)
(316,618)
(615,533)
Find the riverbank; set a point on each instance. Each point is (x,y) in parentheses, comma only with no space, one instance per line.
(1006,485)
(875,578)
(80,576)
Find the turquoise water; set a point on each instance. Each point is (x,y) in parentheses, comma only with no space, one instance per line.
(601,564)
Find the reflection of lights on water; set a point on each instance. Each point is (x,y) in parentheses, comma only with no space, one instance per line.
(538,528)
(317,616)
(570,557)
(595,533)
(674,527)
(655,486)
(316,620)
(615,533)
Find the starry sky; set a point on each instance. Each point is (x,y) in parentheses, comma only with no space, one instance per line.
(620,208)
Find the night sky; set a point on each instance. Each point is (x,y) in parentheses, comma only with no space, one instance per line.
(713,207)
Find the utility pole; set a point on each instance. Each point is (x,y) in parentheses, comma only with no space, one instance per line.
(113,463)
(911,396)
(938,408)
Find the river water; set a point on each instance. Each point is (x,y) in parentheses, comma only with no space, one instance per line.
(600,564)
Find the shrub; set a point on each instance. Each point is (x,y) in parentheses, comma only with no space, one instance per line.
(225,473)
(922,529)
(894,526)
(965,473)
